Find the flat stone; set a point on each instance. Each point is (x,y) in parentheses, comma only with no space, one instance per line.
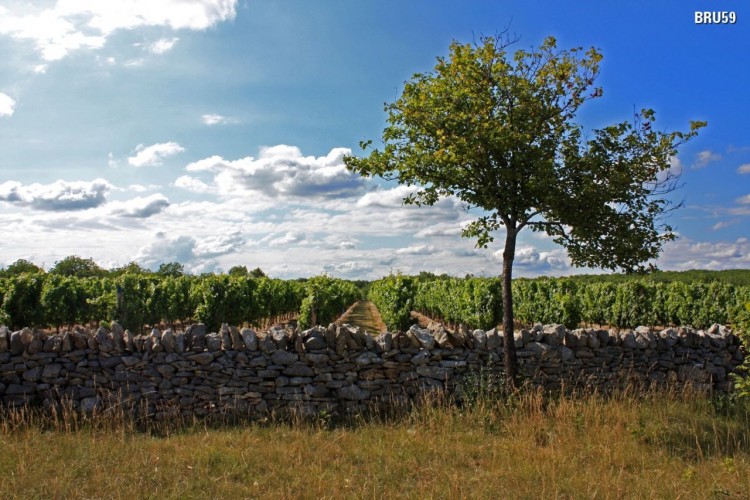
(33,375)
(353,393)
(423,337)
(16,389)
(16,343)
(315,344)
(298,370)
(435,372)
(284,357)
(51,371)
(480,339)
(494,339)
(202,358)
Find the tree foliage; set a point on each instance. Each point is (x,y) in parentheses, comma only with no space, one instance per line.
(499,132)
(74,265)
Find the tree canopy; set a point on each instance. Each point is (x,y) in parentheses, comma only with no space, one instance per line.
(73,265)
(499,132)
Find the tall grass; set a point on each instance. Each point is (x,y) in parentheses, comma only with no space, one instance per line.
(665,444)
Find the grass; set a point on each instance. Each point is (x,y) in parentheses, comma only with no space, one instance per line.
(658,445)
(365,315)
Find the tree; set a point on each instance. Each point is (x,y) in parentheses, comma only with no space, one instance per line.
(258,273)
(499,132)
(238,271)
(21,266)
(132,268)
(74,265)
(173,269)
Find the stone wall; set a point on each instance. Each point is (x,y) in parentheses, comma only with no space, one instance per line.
(336,368)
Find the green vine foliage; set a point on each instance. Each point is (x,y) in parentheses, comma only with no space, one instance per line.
(394,298)
(325,299)
(742,376)
(477,302)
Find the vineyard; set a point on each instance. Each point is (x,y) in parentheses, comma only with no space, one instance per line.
(136,300)
(477,302)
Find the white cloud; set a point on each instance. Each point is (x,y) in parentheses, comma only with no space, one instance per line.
(416,250)
(347,245)
(276,240)
(192,184)
(7,105)
(723,224)
(744,200)
(140,188)
(744,169)
(705,157)
(282,172)
(197,255)
(349,268)
(153,155)
(685,254)
(446,229)
(387,198)
(540,262)
(71,25)
(141,207)
(163,45)
(58,196)
(214,119)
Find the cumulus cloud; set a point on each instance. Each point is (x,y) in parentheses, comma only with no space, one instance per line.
(347,245)
(704,158)
(288,238)
(282,171)
(58,196)
(7,105)
(347,269)
(684,254)
(141,207)
(387,198)
(163,45)
(197,255)
(192,184)
(214,119)
(140,188)
(70,25)
(441,229)
(154,155)
(539,261)
(744,169)
(416,250)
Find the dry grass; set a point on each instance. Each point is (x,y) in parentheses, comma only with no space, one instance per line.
(365,315)
(664,445)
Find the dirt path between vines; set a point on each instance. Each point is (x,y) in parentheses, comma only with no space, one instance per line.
(365,315)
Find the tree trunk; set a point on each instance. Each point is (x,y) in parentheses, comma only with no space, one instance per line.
(511,363)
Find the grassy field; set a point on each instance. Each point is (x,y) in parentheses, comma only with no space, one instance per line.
(658,446)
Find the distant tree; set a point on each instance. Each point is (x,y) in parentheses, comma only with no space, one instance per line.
(21,266)
(79,267)
(132,268)
(258,273)
(499,133)
(173,269)
(238,271)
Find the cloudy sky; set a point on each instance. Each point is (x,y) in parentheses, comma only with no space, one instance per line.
(212,132)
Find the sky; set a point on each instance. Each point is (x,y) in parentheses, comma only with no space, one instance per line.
(212,132)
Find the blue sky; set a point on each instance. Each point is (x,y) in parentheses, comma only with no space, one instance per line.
(212,132)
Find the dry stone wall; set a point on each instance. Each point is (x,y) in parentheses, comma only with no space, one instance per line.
(338,368)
